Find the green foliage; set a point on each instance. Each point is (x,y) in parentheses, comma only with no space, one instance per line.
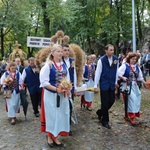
(84,21)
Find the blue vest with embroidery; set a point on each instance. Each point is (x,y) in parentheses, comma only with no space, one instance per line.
(56,76)
(15,85)
(89,73)
(108,75)
(32,81)
(127,71)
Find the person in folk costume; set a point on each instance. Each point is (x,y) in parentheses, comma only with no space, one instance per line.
(70,64)
(88,77)
(30,77)
(106,73)
(54,119)
(131,72)
(12,103)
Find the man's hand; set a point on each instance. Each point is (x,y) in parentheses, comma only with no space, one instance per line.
(96,90)
(124,78)
(116,86)
(75,93)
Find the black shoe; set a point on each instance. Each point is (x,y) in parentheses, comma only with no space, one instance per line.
(50,144)
(13,122)
(98,112)
(59,145)
(106,126)
(70,133)
(100,118)
(37,115)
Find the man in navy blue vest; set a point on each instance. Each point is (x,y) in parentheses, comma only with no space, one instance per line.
(70,64)
(106,75)
(30,77)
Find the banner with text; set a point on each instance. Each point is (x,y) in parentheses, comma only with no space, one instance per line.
(38,42)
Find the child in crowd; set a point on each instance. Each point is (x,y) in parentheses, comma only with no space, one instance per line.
(88,77)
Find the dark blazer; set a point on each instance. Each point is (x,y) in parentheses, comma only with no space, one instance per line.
(20,69)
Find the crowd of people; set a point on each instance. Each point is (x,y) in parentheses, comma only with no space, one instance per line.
(102,73)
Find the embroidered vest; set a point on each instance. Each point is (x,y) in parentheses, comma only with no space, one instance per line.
(15,84)
(131,75)
(56,76)
(89,72)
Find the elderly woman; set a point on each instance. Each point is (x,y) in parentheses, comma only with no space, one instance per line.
(131,73)
(55,105)
(11,81)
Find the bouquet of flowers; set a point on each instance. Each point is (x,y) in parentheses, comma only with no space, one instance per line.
(8,80)
(65,86)
(36,70)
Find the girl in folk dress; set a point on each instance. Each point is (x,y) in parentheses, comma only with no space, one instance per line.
(130,71)
(11,80)
(89,71)
(55,106)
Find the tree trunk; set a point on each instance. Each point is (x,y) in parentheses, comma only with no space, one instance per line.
(139,24)
(89,43)
(2,43)
(46,20)
(30,52)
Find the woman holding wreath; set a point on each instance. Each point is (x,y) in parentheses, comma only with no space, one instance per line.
(130,72)
(11,81)
(55,105)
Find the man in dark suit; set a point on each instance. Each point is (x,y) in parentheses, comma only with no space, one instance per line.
(23,94)
(30,77)
(19,66)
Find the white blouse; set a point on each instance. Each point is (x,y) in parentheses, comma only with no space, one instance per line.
(44,75)
(122,69)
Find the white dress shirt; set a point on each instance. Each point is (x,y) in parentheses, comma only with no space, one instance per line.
(67,63)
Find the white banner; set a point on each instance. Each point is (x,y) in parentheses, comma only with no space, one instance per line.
(38,42)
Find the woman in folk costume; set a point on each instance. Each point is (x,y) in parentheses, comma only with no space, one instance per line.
(131,73)
(11,81)
(55,105)
(88,77)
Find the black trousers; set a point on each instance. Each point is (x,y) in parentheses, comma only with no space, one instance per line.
(70,106)
(107,100)
(36,100)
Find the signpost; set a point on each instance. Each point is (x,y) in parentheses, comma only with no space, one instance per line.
(38,42)
(133,27)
